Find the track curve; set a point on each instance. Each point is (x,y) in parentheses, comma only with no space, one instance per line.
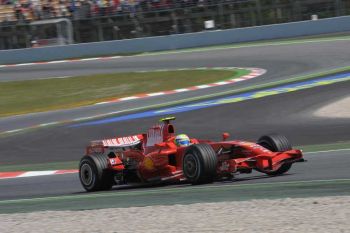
(281,62)
(290,113)
(283,113)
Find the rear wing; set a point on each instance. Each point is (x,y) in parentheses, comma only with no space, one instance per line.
(99,146)
(119,142)
(123,141)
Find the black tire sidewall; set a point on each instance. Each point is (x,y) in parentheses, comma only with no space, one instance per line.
(102,178)
(276,143)
(206,160)
(198,164)
(87,160)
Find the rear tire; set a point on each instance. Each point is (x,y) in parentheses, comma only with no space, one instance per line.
(276,143)
(199,164)
(93,174)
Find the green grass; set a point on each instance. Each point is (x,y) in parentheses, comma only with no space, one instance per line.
(244,89)
(20,97)
(305,148)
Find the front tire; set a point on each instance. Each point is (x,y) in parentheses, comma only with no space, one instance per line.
(93,174)
(276,143)
(199,164)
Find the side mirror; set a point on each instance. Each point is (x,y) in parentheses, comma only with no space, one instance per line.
(225,136)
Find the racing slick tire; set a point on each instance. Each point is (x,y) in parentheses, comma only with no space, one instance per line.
(199,164)
(276,143)
(93,174)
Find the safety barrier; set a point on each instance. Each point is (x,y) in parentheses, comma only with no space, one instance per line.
(177,41)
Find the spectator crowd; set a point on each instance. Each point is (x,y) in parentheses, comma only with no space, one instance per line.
(24,10)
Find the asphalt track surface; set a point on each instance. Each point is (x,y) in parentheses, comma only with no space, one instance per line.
(289,113)
(281,62)
(62,185)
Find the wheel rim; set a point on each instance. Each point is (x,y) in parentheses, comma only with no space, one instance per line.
(86,174)
(190,166)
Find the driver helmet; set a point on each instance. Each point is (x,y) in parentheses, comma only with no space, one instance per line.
(182,140)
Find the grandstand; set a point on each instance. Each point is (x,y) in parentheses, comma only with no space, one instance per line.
(6,13)
(101,20)
(38,9)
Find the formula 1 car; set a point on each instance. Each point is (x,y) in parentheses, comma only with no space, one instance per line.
(155,157)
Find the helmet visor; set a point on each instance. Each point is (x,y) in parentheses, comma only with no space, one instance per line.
(183,142)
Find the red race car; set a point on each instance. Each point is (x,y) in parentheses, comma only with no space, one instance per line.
(160,155)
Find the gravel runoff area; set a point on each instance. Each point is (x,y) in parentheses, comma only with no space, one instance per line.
(318,214)
(338,109)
